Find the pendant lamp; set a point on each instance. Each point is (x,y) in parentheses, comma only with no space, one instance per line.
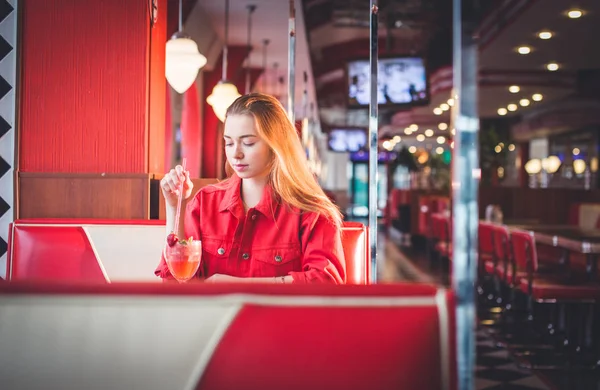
(183,60)
(225,92)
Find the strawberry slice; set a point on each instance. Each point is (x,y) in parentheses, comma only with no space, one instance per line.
(172,239)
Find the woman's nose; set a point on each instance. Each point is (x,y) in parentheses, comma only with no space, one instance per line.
(237,153)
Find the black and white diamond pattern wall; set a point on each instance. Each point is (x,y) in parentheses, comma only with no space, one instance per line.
(8,72)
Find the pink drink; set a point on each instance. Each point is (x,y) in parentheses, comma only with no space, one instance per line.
(183,259)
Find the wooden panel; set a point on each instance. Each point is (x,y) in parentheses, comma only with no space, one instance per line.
(63,195)
(157,202)
(547,205)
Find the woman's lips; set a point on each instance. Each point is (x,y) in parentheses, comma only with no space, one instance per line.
(240,167)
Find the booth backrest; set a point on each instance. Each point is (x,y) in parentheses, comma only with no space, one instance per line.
(205,337)
(111,251)
(584,215)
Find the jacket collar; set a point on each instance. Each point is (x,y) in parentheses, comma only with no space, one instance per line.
(232,200)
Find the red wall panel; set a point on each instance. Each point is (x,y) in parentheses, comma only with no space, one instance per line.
(84,98)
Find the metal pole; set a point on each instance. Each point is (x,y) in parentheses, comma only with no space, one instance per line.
(291,62)
(251,8)
(373,154)
(225,50)
(465,182)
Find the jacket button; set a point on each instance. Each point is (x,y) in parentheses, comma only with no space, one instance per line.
(221,251)
(245,256)
(253,217)
(278,259)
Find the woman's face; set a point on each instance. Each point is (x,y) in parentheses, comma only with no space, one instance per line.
(247,153)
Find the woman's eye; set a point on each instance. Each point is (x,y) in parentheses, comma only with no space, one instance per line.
(249,144)
(228,144)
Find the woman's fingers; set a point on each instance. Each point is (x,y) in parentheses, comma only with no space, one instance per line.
(188,182)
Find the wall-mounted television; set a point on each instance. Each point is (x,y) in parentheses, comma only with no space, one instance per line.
(347,139)
(400,80)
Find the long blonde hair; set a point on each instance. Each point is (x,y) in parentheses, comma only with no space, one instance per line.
(290,177)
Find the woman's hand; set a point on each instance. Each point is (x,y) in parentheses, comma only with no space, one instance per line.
(170,184)
(220,278)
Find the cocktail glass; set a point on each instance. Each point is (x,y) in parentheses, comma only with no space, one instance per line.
(183,260)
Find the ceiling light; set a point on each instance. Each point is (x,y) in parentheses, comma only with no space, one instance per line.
(511,147)
(396,139)
(451,102)
(524,102)
(387,145)
(443,126)
(440,140)
(498,149)
(537,97)
(412,149)
(407,131)
(439,150)
(579,166)
(514,89)
(553,66)
(420,138)
(444,107)
(545,35)
(502,111)
(576,151)
(225,92)
(429,133)
(438,111)
(512,107)
(413,127)
(574,13)
(524,50)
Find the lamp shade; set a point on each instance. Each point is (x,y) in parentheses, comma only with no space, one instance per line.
(223,94)
(183,61)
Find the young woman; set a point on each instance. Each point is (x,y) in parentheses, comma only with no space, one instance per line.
(270,221)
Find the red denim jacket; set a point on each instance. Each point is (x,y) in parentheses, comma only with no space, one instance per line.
(269,240)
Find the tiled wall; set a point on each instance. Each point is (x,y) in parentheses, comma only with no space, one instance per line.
(8,73)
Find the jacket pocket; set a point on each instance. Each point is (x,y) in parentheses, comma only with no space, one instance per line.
(215,255)
(276,262)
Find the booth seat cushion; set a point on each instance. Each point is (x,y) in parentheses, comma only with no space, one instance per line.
(111,250)
(549,288)
(204,337)
(85,250)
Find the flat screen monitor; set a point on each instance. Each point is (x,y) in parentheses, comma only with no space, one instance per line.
(347,140)
(400,80)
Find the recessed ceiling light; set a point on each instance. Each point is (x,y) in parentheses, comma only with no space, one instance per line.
(438,111)
(512,107)
(553,66)
(420,138)
(414,127)
(511,147)
(502,111)
(412,149)
(524,102)
(440,140)
(429,133)
(537,97)
(444,107)
(524,50)
(439,150)
(443,126)
(545,35)
(407,131)
(574,13)
(514,89)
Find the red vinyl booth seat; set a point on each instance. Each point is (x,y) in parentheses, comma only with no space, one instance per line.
(204,337)
(109,251)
